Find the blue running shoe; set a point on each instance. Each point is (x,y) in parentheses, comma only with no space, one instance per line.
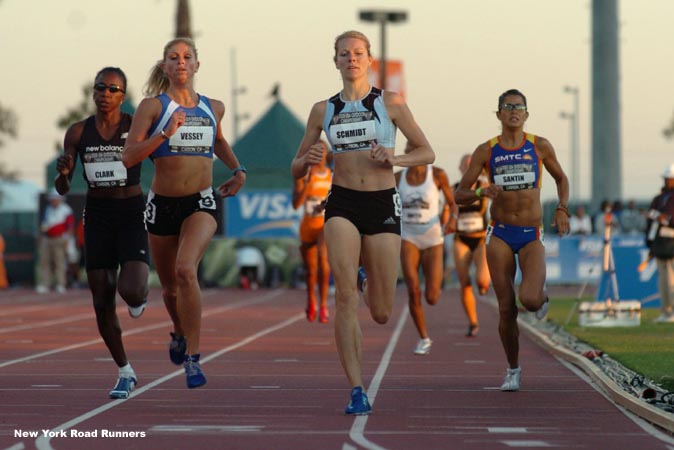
(177,349)
(362,278)
(123,387)
(359,404)
(195,376)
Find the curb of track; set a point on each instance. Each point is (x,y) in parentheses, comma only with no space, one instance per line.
(616,393)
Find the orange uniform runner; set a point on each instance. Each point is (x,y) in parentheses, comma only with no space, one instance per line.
(312,192)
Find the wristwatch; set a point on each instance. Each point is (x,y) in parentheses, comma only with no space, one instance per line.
(240,168)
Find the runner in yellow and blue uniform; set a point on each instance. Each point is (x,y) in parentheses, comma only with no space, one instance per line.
(513,161)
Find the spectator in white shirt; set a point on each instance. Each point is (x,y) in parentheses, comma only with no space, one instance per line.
(580,223)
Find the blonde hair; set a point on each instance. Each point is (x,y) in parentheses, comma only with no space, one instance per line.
(354,35)
(158,83)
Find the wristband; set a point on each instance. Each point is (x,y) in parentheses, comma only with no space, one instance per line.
(563,209)
(240,168)
(478,192)
(164,135)
(454,216)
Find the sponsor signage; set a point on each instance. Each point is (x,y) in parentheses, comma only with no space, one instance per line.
(262,214)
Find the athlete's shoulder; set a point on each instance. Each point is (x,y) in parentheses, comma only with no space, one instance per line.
(392,98)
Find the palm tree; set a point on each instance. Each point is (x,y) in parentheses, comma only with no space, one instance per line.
(183,26)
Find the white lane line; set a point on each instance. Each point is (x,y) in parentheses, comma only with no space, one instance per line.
(43,443)
(507,430)
(133,331)
(8,311)
(527,444)
(46,323)
(358,428)
(207,428)
(18,446)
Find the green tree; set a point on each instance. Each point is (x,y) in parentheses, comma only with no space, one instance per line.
(8,126)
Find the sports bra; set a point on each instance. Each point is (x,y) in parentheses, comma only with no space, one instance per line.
(356,125)
(194,138)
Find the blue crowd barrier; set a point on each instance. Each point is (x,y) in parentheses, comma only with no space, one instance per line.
(577,259)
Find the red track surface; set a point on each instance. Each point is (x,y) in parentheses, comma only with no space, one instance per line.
(274,382)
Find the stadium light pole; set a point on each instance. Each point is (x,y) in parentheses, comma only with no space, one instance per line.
(383,17)
(236,91)
(575,148)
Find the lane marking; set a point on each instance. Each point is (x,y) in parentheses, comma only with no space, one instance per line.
(358,428)
(527,444)
(133,331)
(43,443)
(207,428)
(18,446)
(49,305)
(46,323)
(507,430)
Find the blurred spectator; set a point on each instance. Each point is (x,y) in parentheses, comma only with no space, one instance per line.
(617,209)
(605,217)
(660,242)
(580,223)
(3,270)
(632,221)
(56,228)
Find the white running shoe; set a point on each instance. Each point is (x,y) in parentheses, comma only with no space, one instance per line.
(137,311)
(423,347)
(543,310)
(663,318)
(512,380)
(42,289)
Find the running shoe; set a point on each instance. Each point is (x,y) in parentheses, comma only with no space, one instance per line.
(362,279)
(323,315)
(195,376)
(42,289)
(137,311)
(311,313)
(177,349)
(472,330)
(423,346)
(543,310)
(359,404)
(124,386)
(512,380)
(664,318)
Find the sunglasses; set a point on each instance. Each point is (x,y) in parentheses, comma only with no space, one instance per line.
(514,107)
(113,88)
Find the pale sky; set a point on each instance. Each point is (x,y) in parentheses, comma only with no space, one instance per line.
(458,56)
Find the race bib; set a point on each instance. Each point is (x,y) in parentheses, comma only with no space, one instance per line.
(469,223)
(353,131)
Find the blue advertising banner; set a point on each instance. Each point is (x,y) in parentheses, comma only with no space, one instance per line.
(576,259)
(261,214)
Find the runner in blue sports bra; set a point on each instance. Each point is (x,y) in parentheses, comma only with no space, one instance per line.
(181,130)
(362,215)
(513,161)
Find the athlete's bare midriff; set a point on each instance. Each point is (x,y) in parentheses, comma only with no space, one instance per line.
(520,208)
(177,176)
(356,170)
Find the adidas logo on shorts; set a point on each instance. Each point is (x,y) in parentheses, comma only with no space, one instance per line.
(390,221)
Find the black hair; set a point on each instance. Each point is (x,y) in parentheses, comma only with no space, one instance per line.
(115,70)
(502,97)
